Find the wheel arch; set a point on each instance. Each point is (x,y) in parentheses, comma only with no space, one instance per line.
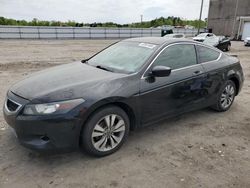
(129,111)
(116,101)
(236,82)
(234,78)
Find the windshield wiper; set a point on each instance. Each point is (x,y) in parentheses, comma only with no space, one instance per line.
(104,68)
(84,61)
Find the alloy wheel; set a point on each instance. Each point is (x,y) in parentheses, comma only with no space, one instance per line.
(108,132)
(227,96)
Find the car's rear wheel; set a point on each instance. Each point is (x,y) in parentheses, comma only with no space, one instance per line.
(226,97)
(105,131)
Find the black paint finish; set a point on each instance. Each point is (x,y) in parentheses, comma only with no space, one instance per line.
(146,99)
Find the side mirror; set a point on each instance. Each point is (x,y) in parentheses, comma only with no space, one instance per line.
(161,71)
(84,60)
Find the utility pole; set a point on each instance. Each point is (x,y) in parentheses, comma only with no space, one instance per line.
(235,17)
(199,24)
(141,18)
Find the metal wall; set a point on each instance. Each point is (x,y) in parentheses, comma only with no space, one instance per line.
(30,32)
(223,17)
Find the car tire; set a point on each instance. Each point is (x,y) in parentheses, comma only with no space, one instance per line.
(228,48)
(105,131)
(225,97)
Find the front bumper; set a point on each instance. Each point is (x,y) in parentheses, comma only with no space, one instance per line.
(247,43)
(44,133)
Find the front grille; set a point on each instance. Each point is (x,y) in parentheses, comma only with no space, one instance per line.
(12,106)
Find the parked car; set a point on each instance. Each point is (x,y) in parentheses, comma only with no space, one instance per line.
(201,37)
(136,82)
(247,41)
(175,35)
(221,42)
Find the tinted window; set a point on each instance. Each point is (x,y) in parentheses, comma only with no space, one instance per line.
(207,54)
(177,56)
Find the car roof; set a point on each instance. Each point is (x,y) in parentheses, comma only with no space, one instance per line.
(162,41)
(157,40)
(174,34)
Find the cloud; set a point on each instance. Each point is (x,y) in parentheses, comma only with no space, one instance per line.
(154,12)
(120,11)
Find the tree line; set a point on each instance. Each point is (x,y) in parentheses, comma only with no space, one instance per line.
(171,21)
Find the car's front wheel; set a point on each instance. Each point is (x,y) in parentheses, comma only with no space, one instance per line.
(228,48)
(226,97)
(105,131)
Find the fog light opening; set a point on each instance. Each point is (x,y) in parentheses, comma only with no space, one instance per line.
(45,138)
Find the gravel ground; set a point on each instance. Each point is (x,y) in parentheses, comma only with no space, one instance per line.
(199,149)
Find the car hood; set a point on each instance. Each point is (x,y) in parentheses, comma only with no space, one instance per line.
(63,82)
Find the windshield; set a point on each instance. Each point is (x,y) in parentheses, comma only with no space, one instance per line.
(124,57)
(212,41)
(174,36)
(202,35)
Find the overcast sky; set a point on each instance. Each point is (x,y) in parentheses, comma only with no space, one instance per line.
(87,11)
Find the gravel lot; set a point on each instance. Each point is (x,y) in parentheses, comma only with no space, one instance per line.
(198,149)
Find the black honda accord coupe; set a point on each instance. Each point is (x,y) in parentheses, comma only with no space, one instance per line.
(94,104)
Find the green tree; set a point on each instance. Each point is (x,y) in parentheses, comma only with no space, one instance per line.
(170,20)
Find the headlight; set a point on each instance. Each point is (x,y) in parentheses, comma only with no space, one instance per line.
(52,108)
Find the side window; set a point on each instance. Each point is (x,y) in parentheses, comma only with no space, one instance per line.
(177,56)
(207,54)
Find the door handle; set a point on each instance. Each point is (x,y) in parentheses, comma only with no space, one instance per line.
(197,72)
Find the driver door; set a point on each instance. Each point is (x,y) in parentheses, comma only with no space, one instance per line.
(181,91)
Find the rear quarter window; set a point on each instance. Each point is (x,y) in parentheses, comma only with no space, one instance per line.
(207,54)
